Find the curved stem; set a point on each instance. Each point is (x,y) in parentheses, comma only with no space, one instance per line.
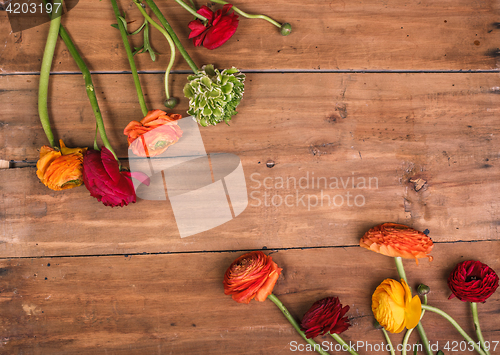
(420,327)
(170,42)
(48,55)
(455,324)
(475,317)
(172,34)
(130,57)
(191,10)
(294,323)
(343,343)
(405,340)
(388,340)
(89,86)
(244,14)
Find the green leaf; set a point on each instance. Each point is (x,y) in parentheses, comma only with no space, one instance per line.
(147,45)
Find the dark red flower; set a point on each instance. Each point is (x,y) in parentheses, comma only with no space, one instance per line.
(219,28)
(102,177)
(325,316)
(472,281)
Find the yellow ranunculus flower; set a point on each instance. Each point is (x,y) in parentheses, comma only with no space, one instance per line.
(393,306)
(60,170)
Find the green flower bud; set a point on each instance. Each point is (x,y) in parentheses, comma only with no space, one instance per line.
(286,29)
(170,103)
(423,290)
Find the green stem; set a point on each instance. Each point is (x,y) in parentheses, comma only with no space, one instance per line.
(169,39)
(475,317)
(405,340)
(420,327)
(244,14)
(130,56)
(294,323)
(455,324)
(172,34)
(388,340)
(89,86)
(400,268)
(48,55)
(191,10)
(343,343)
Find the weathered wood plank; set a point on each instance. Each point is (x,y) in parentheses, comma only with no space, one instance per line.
(326,129)
(176,304)
(430,34)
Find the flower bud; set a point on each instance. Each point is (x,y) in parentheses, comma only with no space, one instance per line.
(377,325)
(286,29)
(423,290)
(171,102)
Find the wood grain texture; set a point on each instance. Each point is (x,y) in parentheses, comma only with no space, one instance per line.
(175,304)
(411,35)
(387,129)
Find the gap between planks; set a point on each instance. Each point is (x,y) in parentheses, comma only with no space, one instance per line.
(272,250)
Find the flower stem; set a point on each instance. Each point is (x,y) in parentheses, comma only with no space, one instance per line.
(172,34)
(48,55)
(244,14)
(475,317)
(400,268)
(191,10)
(169,39)
(455,324)
(89,86)
(420,327)
(389,342)
(405,340)
(130,57)
(294,323)
(343,343)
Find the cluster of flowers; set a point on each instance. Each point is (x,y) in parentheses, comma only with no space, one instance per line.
(213,97)
(254,275)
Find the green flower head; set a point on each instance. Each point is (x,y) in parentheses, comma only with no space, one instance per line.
(214,95)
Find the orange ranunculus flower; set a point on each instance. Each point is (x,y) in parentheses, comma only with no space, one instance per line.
(252,275)
(397,240)
(156,132)
(60,170)
(393,306)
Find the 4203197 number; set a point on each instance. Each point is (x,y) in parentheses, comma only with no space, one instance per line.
(31,8)
(468,345)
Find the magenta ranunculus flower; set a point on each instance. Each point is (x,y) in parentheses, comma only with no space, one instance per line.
(325,316)
(220,27)
(472,281)
(102,177)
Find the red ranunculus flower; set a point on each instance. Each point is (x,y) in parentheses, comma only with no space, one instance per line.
(472,281)
(102,177)
(252,275)
(220,27)
(325,316)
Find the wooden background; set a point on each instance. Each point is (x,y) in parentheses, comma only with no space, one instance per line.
(396,91)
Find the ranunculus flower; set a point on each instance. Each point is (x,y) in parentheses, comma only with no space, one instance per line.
(325,316)
(472,281)
(153,134)
(397,240)
(393,306)
(60,170)
(220,27)
(103,179)
(252,275)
